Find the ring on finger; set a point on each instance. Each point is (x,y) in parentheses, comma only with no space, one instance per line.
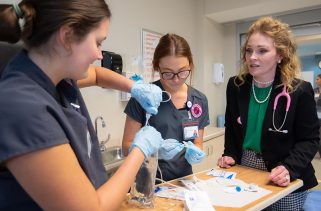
(287,177)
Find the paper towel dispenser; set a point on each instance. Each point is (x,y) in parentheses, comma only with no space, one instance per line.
(218,73)
(112,61)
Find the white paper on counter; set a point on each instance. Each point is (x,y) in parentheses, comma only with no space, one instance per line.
(197,201)
(172,193)
(215,189)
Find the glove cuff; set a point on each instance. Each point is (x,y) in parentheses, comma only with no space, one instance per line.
(134,90)
(133,145)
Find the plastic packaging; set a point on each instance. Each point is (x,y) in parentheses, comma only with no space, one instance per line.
(142,191)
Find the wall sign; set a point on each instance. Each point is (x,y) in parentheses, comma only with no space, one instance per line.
(150,40)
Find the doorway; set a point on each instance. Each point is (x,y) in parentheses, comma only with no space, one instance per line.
(308,38)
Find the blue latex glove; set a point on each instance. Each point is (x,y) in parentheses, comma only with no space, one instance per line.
(193,154)
(149,96)
(169,149)
(148,140)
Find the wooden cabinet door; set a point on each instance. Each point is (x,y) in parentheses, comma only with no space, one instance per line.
(216,147)
(213,150)
(203,165)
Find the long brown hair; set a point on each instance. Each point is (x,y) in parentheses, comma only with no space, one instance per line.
(172,45)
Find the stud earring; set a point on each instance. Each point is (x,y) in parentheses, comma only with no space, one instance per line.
(279,61)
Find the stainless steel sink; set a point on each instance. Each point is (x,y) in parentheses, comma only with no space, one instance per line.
(112,158)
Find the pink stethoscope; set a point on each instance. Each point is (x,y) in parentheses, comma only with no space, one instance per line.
(288,102)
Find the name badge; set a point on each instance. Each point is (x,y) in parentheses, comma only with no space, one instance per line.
(190,128)
(190,132)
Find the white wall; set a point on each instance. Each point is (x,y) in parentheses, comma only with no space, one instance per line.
(211,51)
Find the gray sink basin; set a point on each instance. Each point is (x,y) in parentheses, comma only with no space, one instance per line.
(112,158)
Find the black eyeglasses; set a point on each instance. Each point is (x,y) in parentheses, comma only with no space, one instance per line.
(170,75)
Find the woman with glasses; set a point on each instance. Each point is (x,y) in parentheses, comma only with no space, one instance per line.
(184,117)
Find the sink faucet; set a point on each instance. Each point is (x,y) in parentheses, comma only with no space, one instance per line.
(102,144)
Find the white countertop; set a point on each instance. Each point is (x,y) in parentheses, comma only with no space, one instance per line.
(211,132)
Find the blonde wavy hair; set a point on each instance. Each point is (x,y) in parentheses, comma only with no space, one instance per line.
(285,45)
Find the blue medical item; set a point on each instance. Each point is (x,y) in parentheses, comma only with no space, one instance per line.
(149,96)
(193,154)
(232,189)
(160,188)
(148,140)
(220,121)
(230,176)
(136,77)
(238,188)
(169,149)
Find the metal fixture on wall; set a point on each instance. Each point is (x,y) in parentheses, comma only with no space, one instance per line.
(102,144)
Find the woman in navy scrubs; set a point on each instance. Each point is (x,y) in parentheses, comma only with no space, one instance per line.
(183,118)
(49,154)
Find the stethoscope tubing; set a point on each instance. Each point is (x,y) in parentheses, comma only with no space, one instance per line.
(285,94)
(169,97)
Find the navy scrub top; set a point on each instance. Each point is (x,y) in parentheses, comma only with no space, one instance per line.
(169,122)
(34,114)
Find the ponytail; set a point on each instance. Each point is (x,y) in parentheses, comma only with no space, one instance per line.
(9,24)
(42,18)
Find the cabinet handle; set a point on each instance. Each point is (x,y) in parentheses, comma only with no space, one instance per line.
(207,152)
(211,151)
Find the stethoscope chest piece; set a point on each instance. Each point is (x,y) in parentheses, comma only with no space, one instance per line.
(285,94)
